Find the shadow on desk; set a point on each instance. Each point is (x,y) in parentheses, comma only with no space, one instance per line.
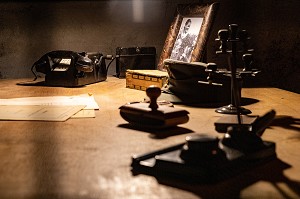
(271,172)
(287,122)
(244,102)
(158,133)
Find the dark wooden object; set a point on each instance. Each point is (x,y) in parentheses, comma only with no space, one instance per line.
(151,115)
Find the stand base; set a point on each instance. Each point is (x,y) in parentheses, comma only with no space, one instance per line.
(231,109)
(222,124)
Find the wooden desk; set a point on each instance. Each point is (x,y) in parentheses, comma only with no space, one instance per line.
(90,158)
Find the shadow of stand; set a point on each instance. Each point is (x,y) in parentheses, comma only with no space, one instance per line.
(231,188)
(286,122)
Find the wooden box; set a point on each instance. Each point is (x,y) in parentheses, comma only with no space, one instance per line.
(141,79)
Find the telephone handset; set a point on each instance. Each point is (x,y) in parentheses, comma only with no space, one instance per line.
(70,69)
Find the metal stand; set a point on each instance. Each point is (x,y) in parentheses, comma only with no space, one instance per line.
(233,36)
(231,109)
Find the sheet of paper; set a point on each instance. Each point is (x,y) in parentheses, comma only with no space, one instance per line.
(85,99)
(38,112)
(85,113)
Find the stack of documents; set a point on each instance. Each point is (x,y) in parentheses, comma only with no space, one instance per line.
(54,108)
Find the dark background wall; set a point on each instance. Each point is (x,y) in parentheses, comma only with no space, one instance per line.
(30,29)
(274,29)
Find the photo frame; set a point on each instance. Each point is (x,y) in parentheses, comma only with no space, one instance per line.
(187,15)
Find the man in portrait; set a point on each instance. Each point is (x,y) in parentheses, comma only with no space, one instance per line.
(186,40)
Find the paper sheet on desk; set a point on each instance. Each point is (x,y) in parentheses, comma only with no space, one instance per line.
(38,112)
(87,100)
(84,99)
(84,113)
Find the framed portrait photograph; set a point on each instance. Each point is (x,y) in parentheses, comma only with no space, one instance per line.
(186,39)
(188,33)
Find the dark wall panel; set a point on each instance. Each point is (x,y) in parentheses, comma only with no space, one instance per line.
(275,32)
(30,29)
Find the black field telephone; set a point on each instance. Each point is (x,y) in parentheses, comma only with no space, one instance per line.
(72,69)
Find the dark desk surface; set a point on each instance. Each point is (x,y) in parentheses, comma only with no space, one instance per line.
(90,158)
